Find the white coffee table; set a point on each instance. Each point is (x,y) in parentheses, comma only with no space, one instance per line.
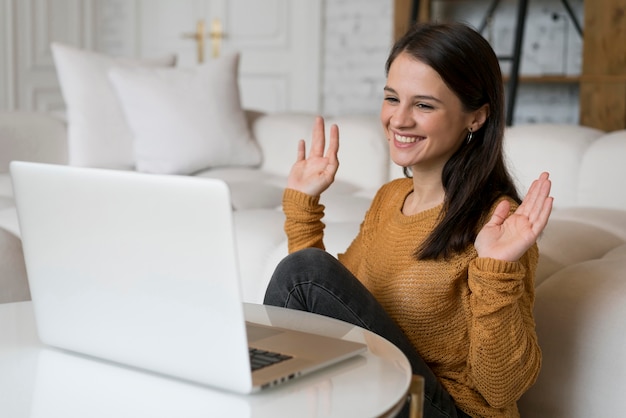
(37,381)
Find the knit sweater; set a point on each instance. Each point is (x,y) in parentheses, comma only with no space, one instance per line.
(469,318)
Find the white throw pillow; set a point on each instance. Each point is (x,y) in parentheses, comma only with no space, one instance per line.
(98,135)
(186,119)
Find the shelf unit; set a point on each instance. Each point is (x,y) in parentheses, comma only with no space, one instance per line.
(420,11)
(603,79)
(602,96)
(545,79)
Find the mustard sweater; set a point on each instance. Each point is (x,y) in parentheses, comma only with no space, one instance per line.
(469,318)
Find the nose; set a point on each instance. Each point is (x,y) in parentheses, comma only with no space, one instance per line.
(402,117)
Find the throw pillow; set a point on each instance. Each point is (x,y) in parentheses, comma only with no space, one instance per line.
(98,135)
(186,119)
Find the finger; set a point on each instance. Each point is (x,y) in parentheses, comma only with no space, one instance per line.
(541,197)
(500,213)
(533,195)
(333,145)
(542,219)
(301,150)
(319,141)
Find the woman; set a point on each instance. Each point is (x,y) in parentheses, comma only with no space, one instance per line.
(444,263)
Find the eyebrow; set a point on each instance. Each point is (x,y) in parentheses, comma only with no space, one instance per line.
(419,96)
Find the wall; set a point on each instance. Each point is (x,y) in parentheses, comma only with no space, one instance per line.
(358,37)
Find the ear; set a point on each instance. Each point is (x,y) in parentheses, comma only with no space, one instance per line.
(479,117)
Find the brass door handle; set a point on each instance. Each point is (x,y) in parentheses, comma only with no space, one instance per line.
(216,34)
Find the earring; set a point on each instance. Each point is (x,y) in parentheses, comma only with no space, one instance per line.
(469,136)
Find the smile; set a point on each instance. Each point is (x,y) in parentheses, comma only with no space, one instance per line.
(406,139)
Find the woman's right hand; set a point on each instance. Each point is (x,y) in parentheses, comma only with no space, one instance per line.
(314,174)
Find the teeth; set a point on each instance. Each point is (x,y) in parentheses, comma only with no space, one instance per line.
(405,139)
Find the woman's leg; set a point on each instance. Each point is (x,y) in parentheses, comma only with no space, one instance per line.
(314,281)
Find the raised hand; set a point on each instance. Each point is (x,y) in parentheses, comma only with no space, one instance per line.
(506,237)
(315,173)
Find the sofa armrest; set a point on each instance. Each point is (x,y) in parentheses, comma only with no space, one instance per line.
(32,136)
(363,151)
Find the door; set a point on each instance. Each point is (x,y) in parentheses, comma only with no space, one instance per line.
(279,42)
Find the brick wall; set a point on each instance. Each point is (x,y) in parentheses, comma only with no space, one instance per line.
(358,35)
(357,39)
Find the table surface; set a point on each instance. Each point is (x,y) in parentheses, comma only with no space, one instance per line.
(38,381)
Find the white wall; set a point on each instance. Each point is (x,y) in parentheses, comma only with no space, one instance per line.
(357,39)
(357,35)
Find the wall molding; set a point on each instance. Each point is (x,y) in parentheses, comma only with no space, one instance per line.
(31,83)
(8,92)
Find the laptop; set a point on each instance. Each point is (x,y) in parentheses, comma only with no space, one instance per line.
(141,269)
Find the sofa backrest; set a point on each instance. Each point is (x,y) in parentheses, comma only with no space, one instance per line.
(603,173)
(584,163)
(32,136)
(363,150)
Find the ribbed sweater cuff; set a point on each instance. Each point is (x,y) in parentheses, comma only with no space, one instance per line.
(492,265)
(302,200)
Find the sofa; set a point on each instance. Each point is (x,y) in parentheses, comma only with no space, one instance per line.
(580,304)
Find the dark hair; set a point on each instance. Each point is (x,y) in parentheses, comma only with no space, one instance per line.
(475,177)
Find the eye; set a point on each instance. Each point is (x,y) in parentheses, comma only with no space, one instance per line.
(391,99)
(424,106)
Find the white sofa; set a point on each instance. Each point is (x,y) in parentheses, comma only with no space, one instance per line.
(581,279)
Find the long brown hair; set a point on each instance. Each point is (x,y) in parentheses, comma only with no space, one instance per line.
(475,177)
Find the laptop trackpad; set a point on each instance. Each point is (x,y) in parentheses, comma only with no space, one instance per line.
(257,332)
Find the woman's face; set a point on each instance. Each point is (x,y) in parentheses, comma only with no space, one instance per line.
(424,120)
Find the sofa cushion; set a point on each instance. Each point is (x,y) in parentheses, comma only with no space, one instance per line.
(602,172)
(9,221)
(616,253)
(363,150)
(567,242)
(258,234)
(610,220)
(249,188)
(31,136)
(558,149)
(13,280)
(6,202)
(580,315)
(186,119)
(98,135)
(6,191)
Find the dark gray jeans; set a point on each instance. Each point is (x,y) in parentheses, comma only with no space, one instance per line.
(314,281)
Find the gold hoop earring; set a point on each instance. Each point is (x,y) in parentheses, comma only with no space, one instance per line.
(469,136)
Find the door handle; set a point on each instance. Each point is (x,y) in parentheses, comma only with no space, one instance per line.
(215,34)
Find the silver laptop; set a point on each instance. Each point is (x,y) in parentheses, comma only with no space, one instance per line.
(141,269)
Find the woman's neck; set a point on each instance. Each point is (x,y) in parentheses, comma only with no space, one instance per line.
(427,193)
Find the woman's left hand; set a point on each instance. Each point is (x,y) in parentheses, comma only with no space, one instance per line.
(507,237)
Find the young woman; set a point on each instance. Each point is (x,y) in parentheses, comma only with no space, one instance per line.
(444,263)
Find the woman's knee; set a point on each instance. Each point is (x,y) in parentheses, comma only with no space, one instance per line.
(303,259)
(303,266)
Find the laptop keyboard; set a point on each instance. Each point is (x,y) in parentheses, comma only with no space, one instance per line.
(262,358)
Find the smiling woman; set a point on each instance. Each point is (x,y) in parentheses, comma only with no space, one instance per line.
(424,121)
(444,262)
